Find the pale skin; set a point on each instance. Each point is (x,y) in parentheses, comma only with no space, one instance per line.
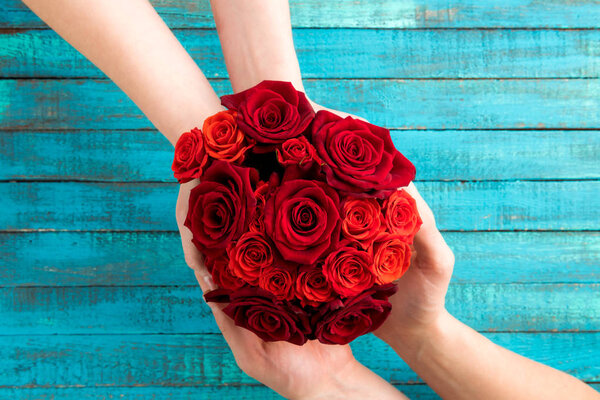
(146,61)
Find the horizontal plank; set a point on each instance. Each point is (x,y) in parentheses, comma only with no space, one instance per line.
(193,360)
(386,14)
(438,155)
(423,54)
(142,258)
(144,310)
(242,392)
(406,104)
(470,206)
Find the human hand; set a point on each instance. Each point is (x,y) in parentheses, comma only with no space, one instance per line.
(311,371)
(419,302)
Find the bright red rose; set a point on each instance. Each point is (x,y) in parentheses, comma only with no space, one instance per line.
(221,206)
(348,269)
(360,158)
(258,311)
(261,193)
(302,219)
(342,321)
(222,274)
(190,156)
(312,288)
(249,255)
(401,215)
(391,257)
(271,112)
(362,220)
(222,138)
(279,281)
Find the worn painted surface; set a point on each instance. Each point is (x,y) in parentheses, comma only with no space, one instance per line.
(497,104)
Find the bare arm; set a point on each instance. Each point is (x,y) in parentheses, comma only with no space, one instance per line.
(131,44)
(455,360)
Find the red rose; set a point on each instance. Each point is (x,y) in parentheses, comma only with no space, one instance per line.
(342,321)
(279,281)
(401,215)
(312,287)
(359,157)
(261,192)
(271,112)
(190,157)
(222,138)
(221,206)
(249,255)
(391,257)
(302,219)
(361,220)
(348,269)
(258,311)
(297,151)
(222,274)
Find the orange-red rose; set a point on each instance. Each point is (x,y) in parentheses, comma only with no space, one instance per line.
(391,257)
(312,287)
(401,215)
(362,220)
(348,269)
(222,138)
(279,281)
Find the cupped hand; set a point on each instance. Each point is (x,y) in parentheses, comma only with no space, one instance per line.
(311,371)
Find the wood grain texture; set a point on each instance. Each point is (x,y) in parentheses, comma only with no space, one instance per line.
(142,258)
(407,104)
(471,206)
(338,53)
(241,392)
(193,360)
(379,14)
(122,156)
(145,310)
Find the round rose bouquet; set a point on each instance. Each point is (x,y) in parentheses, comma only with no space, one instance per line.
(300,217)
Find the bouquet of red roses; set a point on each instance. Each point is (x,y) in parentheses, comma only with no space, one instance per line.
(298,215)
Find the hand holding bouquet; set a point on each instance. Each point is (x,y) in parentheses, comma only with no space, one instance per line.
(298,215)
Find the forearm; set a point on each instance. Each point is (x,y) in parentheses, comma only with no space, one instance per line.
(356,381)
(256,38)
(131,44)
(459,363)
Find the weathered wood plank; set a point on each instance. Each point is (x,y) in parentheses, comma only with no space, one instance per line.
(420,104)
(198,360)
(145,310)
(380,14)
(478,206)
(243,392)
(438,155)
(334,53)
(138,259)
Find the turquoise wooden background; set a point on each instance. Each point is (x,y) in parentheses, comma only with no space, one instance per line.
(497,103)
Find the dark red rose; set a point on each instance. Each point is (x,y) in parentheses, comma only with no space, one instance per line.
(279,281)
(348,269)
(258,311)
(342,321)
(362,220)
(221,206)
(221,273)
(271,112)
(249,255)
(312,288)
(391,257)
(302,219)
(359,157)
(401,215)
(190,156)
